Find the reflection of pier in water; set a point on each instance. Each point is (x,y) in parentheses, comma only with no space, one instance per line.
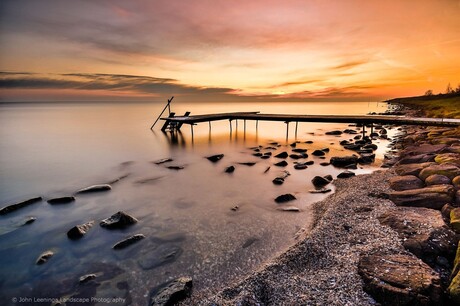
(175,122)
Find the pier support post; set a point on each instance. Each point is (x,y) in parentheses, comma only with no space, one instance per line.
(230,121)
(257,125)
(296,125)
(244,123)
(287,130)
(372,128)
(191,127)
(364,130)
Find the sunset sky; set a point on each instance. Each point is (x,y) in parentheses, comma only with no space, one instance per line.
(212,50)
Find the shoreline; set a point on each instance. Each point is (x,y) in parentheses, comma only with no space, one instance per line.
(326,265)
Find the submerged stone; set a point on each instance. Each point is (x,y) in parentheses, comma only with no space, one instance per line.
(128,241)
(320,181)
(10,208)
(61,200)
(95,188)
(44,257)
(80,230)
(230,169)
(282,155)
(285,198)
(215,158)
(163,254)
(162,161)
(172,292)
(118,220)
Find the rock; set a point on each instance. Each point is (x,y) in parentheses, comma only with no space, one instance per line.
(29,220)
(268,154)
(325,150)
(299,150)
(300,166)
(455,219)
(457,198)
(62,200)
(411,169)
(44,257)
(318,153)
(86,278)
(350,131)
(329,177)
(10,208)
(309,141)
(215,158)
(281,164)
(162,161)
(343,161)
(456,182)
(118,220)
(437,179)
(230,169)
(421,158)
(128,241)
(235,208)
(452,158)
(398,279)
(445,212)
(285,198)
(448,170)
(371,146)
(324,164)
(321,190)
(383,132)
(309,163)
(334,133)
(445,140)
(366,158)
(454,289)
(430,197)
(172,292)
(406,182)
(346,174)
(282,155)
(278,181)
(79,231)
(258,154)
(296,156)
(158,256)
(353,147)
(249,164)
(289,208)
(176,167)
(95,188)
(320,181)
(422,231)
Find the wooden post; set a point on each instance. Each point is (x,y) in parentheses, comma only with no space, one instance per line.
(179,124)
(257,125)
(296,125)
(245,126)
(364,131)
(372,128)
(230,121)
(165,126)
(287,130)
(166,107)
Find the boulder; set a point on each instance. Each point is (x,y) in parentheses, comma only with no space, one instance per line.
(281,164)
(229,169)
(445,211)
(86,278)
(421,158)
(278,181)
(13,207)
(62,200)
(412,169)
(172,292)
(95,188)
(366,158)
(455,219)
(343,161)
(452,158)
(300,166)
(398,279)
(128,241)
(296,156)
(320,181)
(445,140)
(318,153)
(118,220)
(423,149)
(430,197)
(456,182)
(437,179)
(282,155)
(405,182)
(80,230)
(299,150)
(454,289)
(285,198)
(457,198)
(336,133)
(449,170)
(44,257)
(329,177)
(346,174)
(258,154)
(215,158)
(422,231)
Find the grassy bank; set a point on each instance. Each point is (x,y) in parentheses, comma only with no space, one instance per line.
(439,106)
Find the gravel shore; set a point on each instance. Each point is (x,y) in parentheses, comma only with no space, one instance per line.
(322,268)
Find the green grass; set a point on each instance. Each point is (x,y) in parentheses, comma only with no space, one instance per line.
(435,108)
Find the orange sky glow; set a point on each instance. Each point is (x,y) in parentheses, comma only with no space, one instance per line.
(208,50)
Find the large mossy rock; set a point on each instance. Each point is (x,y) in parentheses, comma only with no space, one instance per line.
(411,169)
(420,158)
(398,279)
(423,149)
(454,287)
(452,158)
(437,179)
(422,231)
(430,197)
(406,182)
(449,170)
(455,219)
(456,182)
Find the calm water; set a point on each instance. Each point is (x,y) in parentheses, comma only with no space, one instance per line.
(53,150)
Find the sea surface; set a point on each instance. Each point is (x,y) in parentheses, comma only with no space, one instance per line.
(54,149)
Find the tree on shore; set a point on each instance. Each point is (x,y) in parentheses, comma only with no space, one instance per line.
(429,92)
(449,89)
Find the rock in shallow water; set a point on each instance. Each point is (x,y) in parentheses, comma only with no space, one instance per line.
(95,188)
(230,169)
(44,257)
(343,161)
(118,220)
(215,158)
(172,292)
(161,255)
(61,200)
(10,208)
(285,198)
(320,181)
(128,241)
(80,230)
(346,174)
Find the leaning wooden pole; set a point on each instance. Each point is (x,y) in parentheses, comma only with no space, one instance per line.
(161,114)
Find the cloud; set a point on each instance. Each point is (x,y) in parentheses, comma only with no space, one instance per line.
(349,65)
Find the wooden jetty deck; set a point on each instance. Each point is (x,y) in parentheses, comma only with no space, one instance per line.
(364,119)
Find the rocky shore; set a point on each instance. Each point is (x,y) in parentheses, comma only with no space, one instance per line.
(388,238)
